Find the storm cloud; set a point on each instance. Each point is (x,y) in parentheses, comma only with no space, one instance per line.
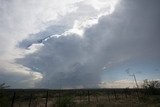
(18,20)
(130,33)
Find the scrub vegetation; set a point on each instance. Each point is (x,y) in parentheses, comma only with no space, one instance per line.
(147,96)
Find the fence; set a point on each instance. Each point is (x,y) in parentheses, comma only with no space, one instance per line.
(60,98)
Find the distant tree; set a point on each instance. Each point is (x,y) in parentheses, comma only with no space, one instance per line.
(4,86)
(153,84)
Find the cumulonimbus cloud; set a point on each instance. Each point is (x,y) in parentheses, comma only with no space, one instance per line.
(71,61)
(21,19)
(62,58)
(18,20)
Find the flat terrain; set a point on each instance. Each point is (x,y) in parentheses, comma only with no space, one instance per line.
(80,98)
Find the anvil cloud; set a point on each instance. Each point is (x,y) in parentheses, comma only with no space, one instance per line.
(68,45)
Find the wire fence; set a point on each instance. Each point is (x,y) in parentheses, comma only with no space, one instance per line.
(73,97)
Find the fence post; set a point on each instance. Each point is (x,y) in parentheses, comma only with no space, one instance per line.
(13,99)
(80,96)
(108,97)
(125,92)
(96,98)
(88,96)
(137,91)
(46,99)
(115,95)
(59,98)
(30,100)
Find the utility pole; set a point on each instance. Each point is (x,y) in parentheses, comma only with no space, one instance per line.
(135,80)
(133,75)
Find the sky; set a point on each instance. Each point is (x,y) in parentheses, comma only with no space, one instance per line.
(79,43)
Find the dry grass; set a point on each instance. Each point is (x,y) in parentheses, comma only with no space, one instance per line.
(80,98)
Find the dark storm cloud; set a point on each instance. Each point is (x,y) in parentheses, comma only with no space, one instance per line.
(130,33)
(66,61)
(38,37)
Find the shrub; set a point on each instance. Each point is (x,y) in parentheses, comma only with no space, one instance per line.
(150,84)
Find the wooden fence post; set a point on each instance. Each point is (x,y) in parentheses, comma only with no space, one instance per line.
(137,91)
(96,98)
(80,96)
(59,98)
(46,99)
(30,100)
(125,92)
(115,95)
(13,99)
(88,94)
(108,97)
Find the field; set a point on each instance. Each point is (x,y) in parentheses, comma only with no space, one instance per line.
(80,98)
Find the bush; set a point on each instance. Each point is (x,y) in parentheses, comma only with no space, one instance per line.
(151,86)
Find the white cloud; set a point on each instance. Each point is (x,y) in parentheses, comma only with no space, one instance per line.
(119,84)
(18,76)
(102,8)
(118,38)
(33,48)
(102,4)
(68,58)
(21,18)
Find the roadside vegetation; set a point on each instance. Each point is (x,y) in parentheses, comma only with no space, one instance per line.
(147,96)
